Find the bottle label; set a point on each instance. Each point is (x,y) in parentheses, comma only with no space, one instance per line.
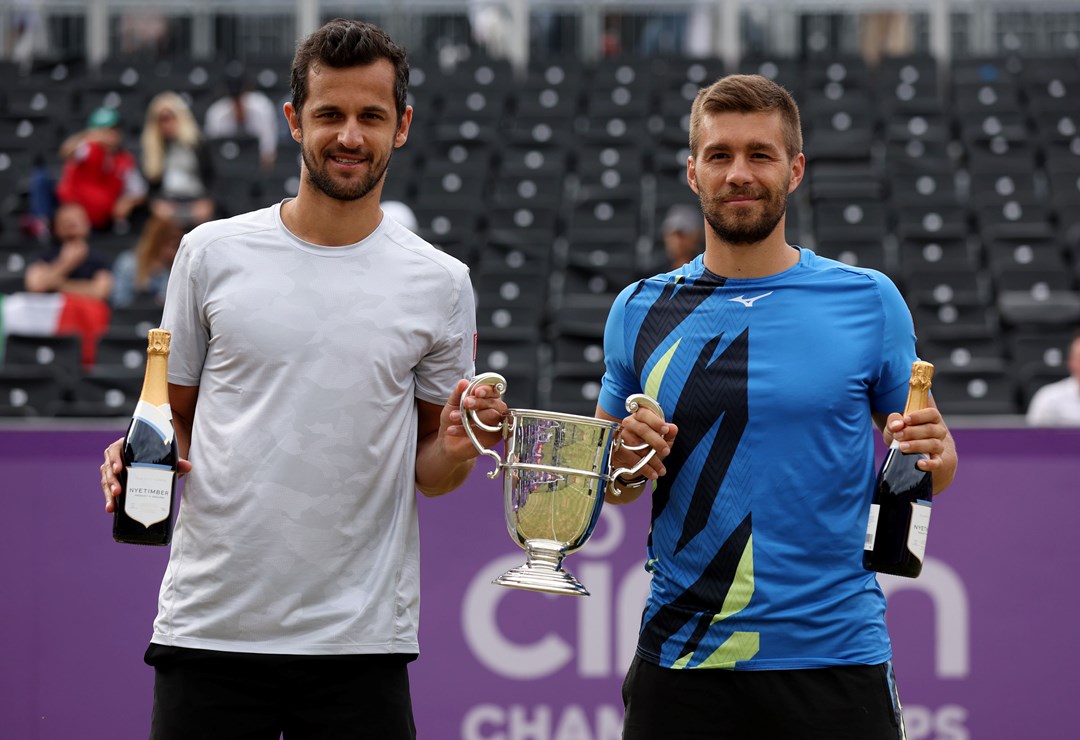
(148,495)
(917,531)
(871,527)
(158,417)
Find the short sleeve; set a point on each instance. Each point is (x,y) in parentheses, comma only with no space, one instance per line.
(889,391)
(453,356)
(620,379)
(183,316)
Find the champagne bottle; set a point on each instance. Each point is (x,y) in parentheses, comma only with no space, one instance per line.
(900,511)
(144,510)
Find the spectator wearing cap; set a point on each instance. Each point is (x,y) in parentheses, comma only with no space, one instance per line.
(100,174)
(683,232)
(244,112)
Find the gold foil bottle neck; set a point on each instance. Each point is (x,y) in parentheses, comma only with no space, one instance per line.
(919,387)
(157,341)
(921,374)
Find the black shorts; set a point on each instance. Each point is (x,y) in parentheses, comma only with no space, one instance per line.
(213,695)
(836,703)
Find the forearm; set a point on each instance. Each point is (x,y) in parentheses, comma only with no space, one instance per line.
(438,472)
(44,278)
(98,287)
(945,474)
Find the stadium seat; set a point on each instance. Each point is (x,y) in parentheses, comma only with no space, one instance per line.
(59,355)
(974,353)
(977,391)
(28,392)
(104,392)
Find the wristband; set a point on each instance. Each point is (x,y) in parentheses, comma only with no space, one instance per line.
(633,483)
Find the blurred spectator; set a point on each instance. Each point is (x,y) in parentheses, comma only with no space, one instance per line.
(26,34)
(244,111)
(886,33)
(176,162)
(1058,404)
(665,33)
(70,266)
(492,27)
(99,173)
(143,31)
(144,269)
(684,235)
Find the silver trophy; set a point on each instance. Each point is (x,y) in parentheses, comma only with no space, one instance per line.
(558,467)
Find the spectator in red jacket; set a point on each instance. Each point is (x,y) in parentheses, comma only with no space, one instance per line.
(99,173)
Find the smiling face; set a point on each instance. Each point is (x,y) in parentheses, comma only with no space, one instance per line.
(348,129)
(743,175)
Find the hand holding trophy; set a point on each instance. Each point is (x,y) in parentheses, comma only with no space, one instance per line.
(557,469)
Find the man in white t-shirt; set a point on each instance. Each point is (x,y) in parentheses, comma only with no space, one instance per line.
(319,355)
(243,111)
(1058,404)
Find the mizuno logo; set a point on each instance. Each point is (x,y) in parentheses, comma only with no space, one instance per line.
(748,302)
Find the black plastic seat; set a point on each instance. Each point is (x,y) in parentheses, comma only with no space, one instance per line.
(858,253)
(1021,255)
(573,394)
(932,222)
(944,287)
(918,155)
(1016,220)
(924,189)
(104,392)
(59,355)
(835,180)
(1036,281)
(951,321)
(235,156)
(975,391)
(916,255)
(908,84)
(1045,346)
(605,221)
(28,392)
(1049,309)
(972,353)
(850,220)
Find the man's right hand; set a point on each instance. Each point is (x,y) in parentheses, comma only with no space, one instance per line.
(110,469)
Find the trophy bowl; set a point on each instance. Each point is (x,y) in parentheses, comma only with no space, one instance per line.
(557,468)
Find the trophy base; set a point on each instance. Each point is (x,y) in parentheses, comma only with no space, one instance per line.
(542,577)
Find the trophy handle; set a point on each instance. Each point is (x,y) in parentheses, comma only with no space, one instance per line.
(468,418)
(633,403)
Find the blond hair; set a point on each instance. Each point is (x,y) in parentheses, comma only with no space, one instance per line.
(153,142)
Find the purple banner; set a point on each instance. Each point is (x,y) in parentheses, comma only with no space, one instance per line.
(985,639)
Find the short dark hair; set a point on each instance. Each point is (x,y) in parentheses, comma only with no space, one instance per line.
(747,94)
(343,43)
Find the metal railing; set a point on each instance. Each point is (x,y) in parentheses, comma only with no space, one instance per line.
(96,30)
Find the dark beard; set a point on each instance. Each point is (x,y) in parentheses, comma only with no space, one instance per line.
(751,232)
(347,192)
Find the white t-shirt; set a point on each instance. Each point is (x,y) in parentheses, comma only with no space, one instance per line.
(261,118)
(1056,404)
(297,531)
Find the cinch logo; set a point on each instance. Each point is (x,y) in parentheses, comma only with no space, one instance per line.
(595,651)
(618,604)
